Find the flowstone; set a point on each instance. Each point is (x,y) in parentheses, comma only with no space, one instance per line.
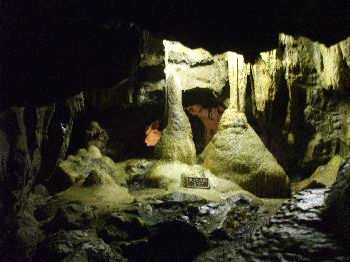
(176,142)
(168,176)
(97,190)
(236,153)
(78,167)
(324,176)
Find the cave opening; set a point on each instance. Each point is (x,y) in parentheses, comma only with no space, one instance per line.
(204,111)
(126,137)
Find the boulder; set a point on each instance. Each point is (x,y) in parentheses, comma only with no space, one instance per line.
(295,233)
(76,246)
(337,212)
(178,226)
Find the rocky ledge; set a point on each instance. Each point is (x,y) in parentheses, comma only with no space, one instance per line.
(295,233)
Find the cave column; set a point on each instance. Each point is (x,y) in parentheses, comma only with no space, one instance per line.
(176,143)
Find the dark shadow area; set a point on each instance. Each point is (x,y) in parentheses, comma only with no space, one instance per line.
(126,129)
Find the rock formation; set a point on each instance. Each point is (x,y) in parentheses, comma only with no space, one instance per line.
(76,168)
(337,210)
(295,233)
(97,136)
(33,141)
(63,65)
(236,151)
(324,176)
(176,142)
(294,96)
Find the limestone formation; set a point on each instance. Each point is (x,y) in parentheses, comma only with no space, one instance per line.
(324,176)
(266,75)
(196,68)
(337,212)
(169,176)
(295,233)
(98,190)
(32,141)
(236,153)
(294,95)
(316,78)
(237,75)
(97,136)
(176,142)
(76,168)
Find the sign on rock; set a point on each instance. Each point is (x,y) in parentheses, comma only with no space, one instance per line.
(195,182)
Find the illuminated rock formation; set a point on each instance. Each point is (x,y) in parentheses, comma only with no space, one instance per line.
(176,142)
(324,176)
(196,68)
(76,168)
(236,151)
(97,136)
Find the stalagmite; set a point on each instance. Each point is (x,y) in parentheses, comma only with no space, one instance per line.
(236,151)
(176,142)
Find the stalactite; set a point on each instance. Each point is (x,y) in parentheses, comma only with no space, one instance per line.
(236,152)
(237,75)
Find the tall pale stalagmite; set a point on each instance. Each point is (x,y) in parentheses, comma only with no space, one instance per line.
(236,151)
(176,142)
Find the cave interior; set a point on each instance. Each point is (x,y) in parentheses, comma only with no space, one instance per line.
(175,131)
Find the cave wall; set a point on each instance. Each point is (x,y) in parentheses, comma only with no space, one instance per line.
(33,141)
(52,51)
(308,86)
(295,96)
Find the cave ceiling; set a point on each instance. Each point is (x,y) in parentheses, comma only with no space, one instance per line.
(54,48)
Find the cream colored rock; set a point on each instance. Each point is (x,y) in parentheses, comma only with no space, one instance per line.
(196,68)
(77,167)
(237,75)
(236,153)
(101,192)
(176,142)
(167,177)
(293,90)
(324,176)
(266,73)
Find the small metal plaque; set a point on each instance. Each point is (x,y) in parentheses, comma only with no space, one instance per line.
(195,182)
